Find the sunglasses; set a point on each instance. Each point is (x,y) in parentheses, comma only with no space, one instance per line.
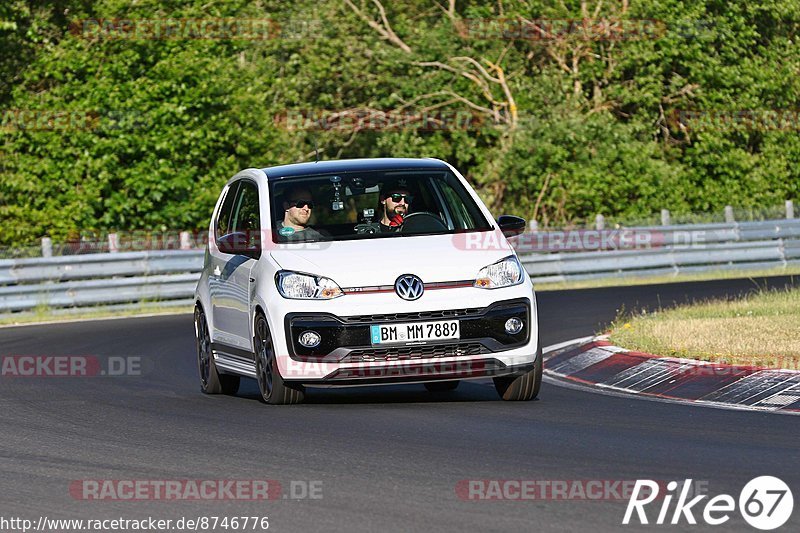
(397,197)
(302,203)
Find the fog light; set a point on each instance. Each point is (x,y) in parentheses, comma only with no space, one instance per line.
(311,339)
(513,325)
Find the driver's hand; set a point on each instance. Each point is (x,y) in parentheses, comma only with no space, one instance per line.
(396,220)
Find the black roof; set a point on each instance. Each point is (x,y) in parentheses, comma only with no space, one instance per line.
(343,166)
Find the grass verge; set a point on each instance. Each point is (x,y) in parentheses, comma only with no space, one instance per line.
(628,280)
(760,329)
(45,314)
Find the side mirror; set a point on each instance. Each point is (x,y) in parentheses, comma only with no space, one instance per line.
(236,244)
(511,225)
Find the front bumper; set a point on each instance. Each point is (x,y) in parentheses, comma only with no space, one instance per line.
(419,372)
(347,339)
(347,357)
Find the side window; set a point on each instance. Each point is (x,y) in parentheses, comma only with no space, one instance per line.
(246,218)
(224,224)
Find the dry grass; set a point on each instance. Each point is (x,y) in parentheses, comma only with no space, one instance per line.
(762,329)
(46,315)
(640,279)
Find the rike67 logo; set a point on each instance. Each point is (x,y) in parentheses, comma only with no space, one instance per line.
(765,503)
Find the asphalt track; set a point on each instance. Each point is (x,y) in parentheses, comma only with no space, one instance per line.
(389,459)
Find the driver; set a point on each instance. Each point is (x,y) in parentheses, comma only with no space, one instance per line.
(297,207)
(395,202)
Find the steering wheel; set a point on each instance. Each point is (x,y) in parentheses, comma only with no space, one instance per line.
(422,222)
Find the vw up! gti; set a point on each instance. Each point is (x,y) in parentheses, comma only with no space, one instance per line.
(362,272)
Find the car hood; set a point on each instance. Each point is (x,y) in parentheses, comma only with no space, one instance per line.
(369,262)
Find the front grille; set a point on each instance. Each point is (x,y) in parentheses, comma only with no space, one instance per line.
(423,315)
(404,353)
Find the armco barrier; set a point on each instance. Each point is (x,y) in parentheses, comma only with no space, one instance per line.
(678,249)
(574,266)
(74,267)
(170,276)
(98,279)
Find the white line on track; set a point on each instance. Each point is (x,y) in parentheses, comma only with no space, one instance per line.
(554,347)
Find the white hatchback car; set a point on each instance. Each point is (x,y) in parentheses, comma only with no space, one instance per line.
(362,272)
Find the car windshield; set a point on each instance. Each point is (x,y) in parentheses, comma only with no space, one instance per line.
(369,205)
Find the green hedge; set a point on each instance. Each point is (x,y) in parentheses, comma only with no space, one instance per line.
(685,114)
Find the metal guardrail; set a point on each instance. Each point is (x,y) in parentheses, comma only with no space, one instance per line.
(169,277)
(677,249)
(98,279)
(66,268)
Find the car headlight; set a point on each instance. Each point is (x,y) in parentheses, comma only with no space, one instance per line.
(298,286)
(504,273)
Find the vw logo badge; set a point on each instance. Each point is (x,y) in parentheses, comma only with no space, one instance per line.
(409,287)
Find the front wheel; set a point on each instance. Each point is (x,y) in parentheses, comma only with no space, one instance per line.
(211,381)
(273,389)
(524,387)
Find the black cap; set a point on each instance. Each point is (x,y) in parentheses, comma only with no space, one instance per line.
(400,184)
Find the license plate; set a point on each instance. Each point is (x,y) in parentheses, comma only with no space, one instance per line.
(414,332)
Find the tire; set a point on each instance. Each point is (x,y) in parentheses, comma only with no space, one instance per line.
(441,386)
(273,389)
(211,381)
(522,388)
